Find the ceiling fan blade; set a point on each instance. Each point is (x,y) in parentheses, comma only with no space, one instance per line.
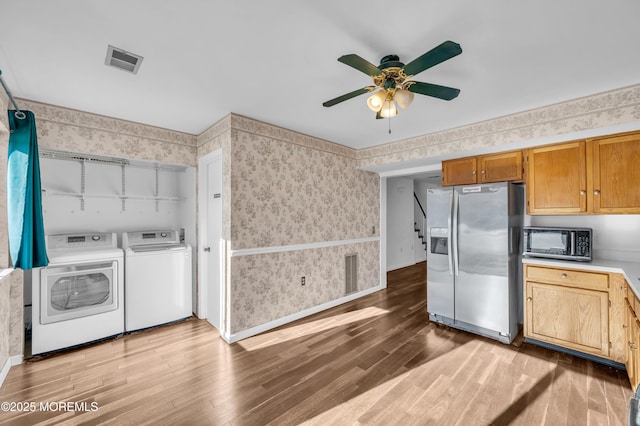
(347,96)
(438,54)
(360,64)
(442,92)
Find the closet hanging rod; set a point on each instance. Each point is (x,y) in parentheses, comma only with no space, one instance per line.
(19,114)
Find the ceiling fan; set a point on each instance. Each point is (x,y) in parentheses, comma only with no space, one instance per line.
(391,80)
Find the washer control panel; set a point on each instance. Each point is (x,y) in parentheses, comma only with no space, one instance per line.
(139,238)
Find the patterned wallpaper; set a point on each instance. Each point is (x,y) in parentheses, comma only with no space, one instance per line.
(267,287)
(218,136)
(7,317)
(16,308)
(285,192)
(214,137)
(11,316)
(601,110)
(284,188)
(77,131)
(4,145)
(285,135)
(5,320)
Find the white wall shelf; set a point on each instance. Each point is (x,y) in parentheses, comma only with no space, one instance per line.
(83,159)
(51,193)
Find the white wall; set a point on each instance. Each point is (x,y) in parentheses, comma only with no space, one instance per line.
(615,237)
(400,233)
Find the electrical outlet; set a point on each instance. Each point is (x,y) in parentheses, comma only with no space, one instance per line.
(303,281)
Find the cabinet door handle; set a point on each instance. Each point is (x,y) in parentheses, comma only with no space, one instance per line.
(473,172)
(632,346)
(529,299)
(564,275)
(482,172)
(583,192)
(625,326)
(596,192)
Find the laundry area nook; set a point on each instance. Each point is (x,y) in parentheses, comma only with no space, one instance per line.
(99,212)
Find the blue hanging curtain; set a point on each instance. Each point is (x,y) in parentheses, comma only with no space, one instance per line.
(24,199)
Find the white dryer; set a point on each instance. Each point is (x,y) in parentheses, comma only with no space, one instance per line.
(79,296)
(157,278)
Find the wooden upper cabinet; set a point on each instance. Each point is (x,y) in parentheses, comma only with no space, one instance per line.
(501,167)
(461,171)
(557,179)
(615,183)
(599,175)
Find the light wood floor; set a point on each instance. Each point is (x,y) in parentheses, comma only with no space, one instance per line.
(377,360)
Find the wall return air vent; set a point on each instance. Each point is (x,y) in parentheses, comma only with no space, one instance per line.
(121,59)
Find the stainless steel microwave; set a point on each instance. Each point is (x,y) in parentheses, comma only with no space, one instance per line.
(558,243)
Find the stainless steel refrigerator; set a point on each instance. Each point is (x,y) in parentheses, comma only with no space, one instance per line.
(474,279)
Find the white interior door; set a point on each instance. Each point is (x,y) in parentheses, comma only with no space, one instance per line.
(211,238)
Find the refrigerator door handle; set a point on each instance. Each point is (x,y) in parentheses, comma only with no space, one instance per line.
(454,245)
(449,239)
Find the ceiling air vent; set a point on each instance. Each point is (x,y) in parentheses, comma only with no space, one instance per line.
(123,60)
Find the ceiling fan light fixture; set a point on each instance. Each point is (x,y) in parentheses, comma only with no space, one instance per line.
(403,98)
(388,109)
(375,101)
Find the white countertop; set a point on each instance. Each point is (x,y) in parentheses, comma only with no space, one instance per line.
(630,270)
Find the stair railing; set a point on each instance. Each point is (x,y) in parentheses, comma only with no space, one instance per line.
(420,219)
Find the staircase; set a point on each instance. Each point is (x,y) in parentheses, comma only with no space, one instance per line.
(420,225)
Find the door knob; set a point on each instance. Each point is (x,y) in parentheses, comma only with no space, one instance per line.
(207,249)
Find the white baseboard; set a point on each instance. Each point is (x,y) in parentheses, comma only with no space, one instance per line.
(394,267)
(231,338)
(14,360)
(4,371)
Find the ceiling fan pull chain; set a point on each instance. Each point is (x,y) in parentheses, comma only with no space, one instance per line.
(389,125)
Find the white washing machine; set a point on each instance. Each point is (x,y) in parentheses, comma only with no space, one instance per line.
(157,278)
(79,296)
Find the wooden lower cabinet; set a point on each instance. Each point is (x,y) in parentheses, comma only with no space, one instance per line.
(591,312)
(571,317)
(632,333)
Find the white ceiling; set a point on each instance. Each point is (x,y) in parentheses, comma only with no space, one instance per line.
(275,61)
